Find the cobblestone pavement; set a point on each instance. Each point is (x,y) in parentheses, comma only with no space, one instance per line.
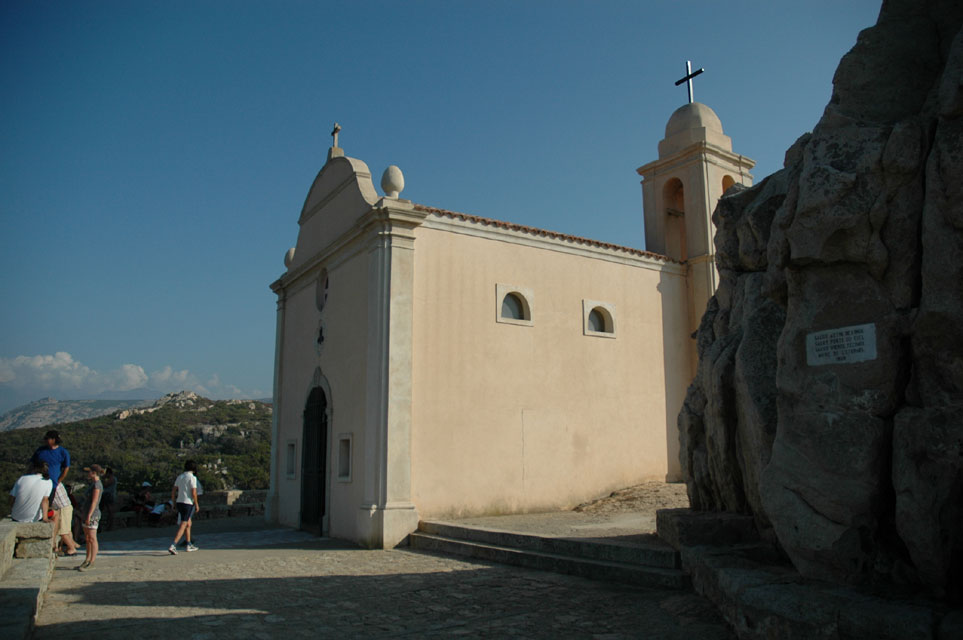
(282,583)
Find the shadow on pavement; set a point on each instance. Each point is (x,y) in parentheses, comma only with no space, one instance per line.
(482,601)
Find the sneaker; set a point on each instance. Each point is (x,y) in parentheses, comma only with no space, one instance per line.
(84,566)
(191,547)
(172,550)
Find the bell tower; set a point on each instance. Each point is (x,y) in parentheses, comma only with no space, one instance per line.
(679,193)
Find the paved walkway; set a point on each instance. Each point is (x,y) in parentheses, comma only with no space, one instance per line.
(268,582)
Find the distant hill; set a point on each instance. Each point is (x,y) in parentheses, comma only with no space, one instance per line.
(229,439)
(47,411)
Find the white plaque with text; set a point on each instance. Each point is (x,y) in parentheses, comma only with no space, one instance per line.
(841,346)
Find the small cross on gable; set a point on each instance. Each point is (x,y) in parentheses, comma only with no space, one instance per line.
(334,134)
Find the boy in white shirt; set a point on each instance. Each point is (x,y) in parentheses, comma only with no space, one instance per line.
(184,497)
(30,494)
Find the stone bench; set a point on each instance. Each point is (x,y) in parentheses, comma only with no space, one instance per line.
(26,567)
(212,512)
(209,511)
(233,497)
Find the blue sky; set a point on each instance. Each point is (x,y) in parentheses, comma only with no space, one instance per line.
(155,156)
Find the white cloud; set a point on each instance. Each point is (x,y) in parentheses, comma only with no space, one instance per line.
(59,371)
(168,377)
(129,376)
(60,375)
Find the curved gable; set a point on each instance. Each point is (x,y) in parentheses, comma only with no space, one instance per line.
(341,193)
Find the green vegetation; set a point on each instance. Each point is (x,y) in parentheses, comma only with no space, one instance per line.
(230,442)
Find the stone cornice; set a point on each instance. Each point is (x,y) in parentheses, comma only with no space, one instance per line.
(702,151)
(390,217)
(610,253)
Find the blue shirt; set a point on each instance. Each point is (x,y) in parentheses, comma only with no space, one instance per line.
(56,459)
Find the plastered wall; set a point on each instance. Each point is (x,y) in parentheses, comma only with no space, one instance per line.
(510,418)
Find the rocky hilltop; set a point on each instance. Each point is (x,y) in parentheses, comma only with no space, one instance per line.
(47,411)
(229,439)
(829,396)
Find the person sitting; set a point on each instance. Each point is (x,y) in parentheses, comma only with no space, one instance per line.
(143,501)
(30,496)
(161,514)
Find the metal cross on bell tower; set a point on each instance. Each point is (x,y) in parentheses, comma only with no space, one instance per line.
(336,130)
(689,75)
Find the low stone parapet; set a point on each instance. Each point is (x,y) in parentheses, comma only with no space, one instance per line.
(34,540)
(237,510)
(687,528)
(234,496)
(26,568)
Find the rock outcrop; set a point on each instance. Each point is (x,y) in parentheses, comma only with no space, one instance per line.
(850,459)
(49,411)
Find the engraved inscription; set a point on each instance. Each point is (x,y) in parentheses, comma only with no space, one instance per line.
(841,346)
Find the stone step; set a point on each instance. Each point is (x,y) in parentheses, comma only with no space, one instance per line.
(22,589)
(651,552)
(584,567)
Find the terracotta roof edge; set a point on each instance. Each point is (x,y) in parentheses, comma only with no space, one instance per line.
(511,226)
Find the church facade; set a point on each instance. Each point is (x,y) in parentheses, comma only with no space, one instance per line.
(434,364)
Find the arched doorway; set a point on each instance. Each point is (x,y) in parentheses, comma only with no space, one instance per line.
(313,462)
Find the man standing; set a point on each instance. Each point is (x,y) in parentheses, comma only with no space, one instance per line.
(184,496)
(30,495)
(57,460)
(63,519)
(56,457)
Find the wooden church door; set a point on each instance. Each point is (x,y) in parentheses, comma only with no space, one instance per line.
(313,467)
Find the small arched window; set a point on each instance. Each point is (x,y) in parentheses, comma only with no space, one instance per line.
(598,319)
(514,304)
(513,308)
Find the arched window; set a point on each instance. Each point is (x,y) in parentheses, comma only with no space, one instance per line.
(727,182)
(513,304)
(598,319)
(513,308)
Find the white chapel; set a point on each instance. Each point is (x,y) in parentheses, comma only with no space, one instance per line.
(434,364)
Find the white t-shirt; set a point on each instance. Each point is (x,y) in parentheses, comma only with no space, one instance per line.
(161,508)
(29,492)
(184,483)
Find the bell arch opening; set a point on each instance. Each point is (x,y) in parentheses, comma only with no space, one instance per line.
(727,181)
(673,197)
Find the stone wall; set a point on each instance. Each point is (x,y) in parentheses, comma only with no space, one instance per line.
(855,469)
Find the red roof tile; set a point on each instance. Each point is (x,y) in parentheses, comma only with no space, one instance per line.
(539,232)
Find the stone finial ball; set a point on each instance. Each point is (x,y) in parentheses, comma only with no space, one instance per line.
(289,257)
(392,181)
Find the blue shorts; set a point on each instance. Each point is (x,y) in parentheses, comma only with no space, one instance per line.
(185,510)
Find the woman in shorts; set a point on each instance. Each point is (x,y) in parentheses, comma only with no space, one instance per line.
(90,513)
